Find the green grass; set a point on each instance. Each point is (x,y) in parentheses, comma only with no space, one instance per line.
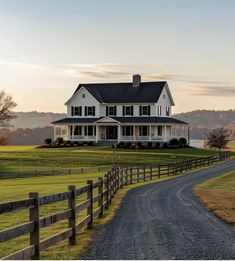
(29,158)
(13,158)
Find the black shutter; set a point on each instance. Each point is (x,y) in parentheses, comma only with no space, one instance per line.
(140,110)
(115,110)
(149,110)
(72,111)
(123,111)
(85,129)
(107,110)
(93,110)
(80,110)
(132,111)
(85,110)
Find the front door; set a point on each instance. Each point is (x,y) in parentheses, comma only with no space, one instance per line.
(111,132)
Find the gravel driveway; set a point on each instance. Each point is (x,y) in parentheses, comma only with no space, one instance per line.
(165,221)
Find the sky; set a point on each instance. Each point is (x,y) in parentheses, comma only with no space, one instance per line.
(48,47)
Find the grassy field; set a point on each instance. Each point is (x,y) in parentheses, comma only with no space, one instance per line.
(29,158)
(219,196)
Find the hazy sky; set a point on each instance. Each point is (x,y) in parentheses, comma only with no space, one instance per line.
(48,47)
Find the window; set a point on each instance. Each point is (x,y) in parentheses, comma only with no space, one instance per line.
(159,130)
(145,110)
(83,95)
(127,111)
(143,131)
(127,130)
(167,111)
(164,96)
(111,110)
(89,110)
(159,110)
(76,111)
(89,130)
(78,130)
(58,131)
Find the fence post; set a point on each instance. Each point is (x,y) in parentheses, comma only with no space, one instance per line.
(107,188)
(69,171)
(72,220)
(90,208)
(101,201)
(126,176)
(138,174)
(144,173)
(121,183)
(159,171)
(151,172)
(131,175)
(110,188)
(34,216)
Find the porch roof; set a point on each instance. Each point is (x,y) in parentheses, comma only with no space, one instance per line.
(167,120)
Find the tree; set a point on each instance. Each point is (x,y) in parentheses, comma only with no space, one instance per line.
(218,138)
(6,106)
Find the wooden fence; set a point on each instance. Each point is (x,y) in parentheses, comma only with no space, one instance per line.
(107,186)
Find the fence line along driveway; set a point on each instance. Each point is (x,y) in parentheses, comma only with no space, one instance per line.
(166,221)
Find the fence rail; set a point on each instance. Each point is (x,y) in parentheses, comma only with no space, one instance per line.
(107,187)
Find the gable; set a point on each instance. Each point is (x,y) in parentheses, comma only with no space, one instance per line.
(78,99)
(107,120)
(165,98)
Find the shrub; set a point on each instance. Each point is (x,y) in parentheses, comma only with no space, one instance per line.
(128,144)
(174,142)
(157,145)
(150,144)
(182,142)
(139,144)
(60,140)
(90,143)
(121,144)
(68,142)
(165,146)
(48,141)
(4,140)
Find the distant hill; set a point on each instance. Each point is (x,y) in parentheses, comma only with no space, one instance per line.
(33,127)
(35,119)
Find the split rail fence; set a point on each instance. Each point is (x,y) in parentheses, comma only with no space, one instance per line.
(94,205)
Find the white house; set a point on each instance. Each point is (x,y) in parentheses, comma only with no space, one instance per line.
(121,112)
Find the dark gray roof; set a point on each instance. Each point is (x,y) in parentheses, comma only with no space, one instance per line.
(76,120)
(121,120)
(125,92)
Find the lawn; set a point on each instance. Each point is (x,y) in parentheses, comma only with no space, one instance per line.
(29,158)
(13,158)
(219,196)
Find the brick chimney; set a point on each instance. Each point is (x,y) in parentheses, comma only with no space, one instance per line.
(136,80)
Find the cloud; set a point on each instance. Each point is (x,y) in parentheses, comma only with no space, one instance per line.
(215,90)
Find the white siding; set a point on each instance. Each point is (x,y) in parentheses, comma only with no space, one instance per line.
(163,102)
(89,100)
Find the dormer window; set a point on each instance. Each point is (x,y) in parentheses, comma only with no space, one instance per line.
(167,110)
(76,111)
(83,95)
(159,110)
(89,110)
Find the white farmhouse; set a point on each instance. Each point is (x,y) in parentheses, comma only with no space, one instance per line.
(136,111)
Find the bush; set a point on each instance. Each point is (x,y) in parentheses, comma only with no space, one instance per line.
(48,141)
(4,140)
(174,142)
(60,140)
(182,142)
(150,144)
(68,142)
(157,145)
(128,144)
(165,146)
(90,143)
(139,144)
(121,144)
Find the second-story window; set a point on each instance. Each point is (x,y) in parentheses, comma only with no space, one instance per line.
(127,110)
(76,111)
(159,110)
(111,110)
(89,110)
(145,110)
(167,110)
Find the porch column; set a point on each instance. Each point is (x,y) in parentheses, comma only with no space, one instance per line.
(119,133)
(150,129)
(97,133)
(72,136)
(164,132)
(134,136)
